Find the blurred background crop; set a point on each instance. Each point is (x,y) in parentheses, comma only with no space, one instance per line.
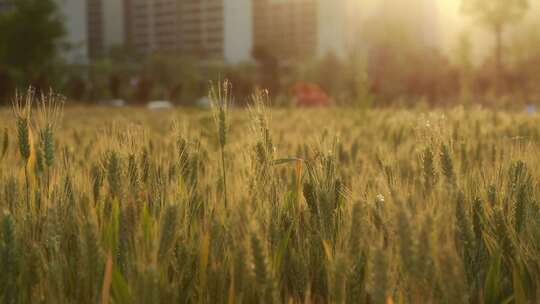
(345,52)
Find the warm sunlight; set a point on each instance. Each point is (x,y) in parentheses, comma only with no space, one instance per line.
(269,151)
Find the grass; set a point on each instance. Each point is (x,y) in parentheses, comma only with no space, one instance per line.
(300,206)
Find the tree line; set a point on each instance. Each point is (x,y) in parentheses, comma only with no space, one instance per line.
(389,64)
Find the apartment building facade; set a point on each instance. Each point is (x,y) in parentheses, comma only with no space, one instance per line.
(152,25)
(221,30)
(419,18)
(286,28)
(303,29)
(92,28)
(209,29)
(105,26)
(340,25)
(201,29)
(73,13)
(5,5)
(95,28)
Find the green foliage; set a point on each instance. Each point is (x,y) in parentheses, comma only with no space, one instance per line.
(30,34)
(496,13)
(495,16)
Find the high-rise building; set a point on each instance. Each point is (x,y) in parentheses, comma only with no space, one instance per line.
(95,30)
(105,26)
(153,25)
(75,23)
(339,25)
(92,27)
(286,28)
(113,23)
(303,29)
(202,28)
(223,30)
(238,30)
(5,5)
(210,29)
(419,18)
(127,19)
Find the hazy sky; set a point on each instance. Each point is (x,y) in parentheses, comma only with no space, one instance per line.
(451,23)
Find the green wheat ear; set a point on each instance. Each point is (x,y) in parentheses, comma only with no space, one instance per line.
(145,165)
(22,106)
(50,109)
(114,173)
(133,174)
(169,232)
(447,165)
(23,133)
(220,100)
(97,181)
(223,126)
(430,176)
(39,162)
(47,144)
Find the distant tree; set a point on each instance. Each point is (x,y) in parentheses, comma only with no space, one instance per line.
(464,61)
(331,74)
(6,85)
(524,53)
(496,16)
(30,35)
(268,68)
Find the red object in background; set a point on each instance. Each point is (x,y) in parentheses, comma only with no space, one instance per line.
(310,95)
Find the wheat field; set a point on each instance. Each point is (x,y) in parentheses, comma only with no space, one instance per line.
(265,205)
